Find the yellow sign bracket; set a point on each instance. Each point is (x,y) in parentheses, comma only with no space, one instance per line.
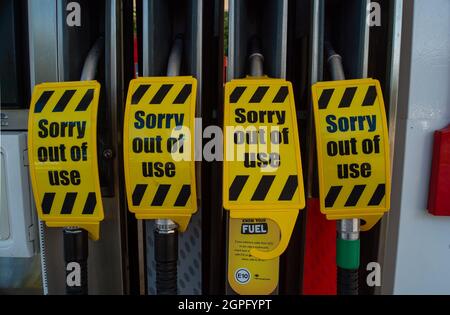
(284,218)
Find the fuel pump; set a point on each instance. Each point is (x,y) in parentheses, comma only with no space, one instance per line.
(159,159)
(353,160)
(263,182)
(63,164)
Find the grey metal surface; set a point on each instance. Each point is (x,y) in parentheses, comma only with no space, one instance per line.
(43,67)
(417,251)
(14,119)
(109,255)
(316,74)
(395,46)
(43,47)
(161,24)
(53,59)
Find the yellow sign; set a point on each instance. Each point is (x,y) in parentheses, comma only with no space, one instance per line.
(352,149)
(62,150)
(262,166)
(159,149)
(248,275)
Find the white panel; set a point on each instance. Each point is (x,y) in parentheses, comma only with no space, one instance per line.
(4,207)
(16,199)
(423,252)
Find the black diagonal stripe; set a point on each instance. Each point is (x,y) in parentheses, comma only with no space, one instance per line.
(138,194)
(160,195)
(139,93)
(63,101)
(161,94)
(289,188)
(355,195)
(378,195)
(90,204)
(325,98)
(69,201)
(281,95)
(42,101)
(183,196)
(259,94)
(47,202)
(237,186)
(332,195)
(85,101)
(347,98)
(370,97)
(184,94)
(263,187)
(237,93)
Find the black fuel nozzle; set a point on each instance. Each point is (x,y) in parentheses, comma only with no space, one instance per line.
(75,257)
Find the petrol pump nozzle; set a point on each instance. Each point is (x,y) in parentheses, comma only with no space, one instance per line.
(76,252)
(76,238)
(166,231)
(347,230)
(255,58)
(334,62)
(174,63)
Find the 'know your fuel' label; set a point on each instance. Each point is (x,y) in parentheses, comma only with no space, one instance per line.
(248,274)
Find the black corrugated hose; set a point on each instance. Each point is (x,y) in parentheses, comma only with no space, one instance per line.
(166,256)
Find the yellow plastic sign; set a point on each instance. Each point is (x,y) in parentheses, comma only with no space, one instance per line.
(62,151)
(352,149)
(159,150)
(262,165)
(248,275)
